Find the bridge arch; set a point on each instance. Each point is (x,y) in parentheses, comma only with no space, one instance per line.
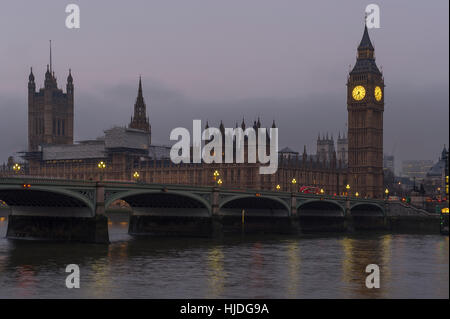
(268,203)
(38,196)
(316,207)
(161,199)
(367,209)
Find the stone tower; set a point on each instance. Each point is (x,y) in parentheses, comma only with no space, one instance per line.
(342,149)
(50,111)
(140,120)
(325,148)
(365,105)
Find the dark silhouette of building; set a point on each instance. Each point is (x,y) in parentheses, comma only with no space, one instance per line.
(50,111)
(140,120)
(365,104)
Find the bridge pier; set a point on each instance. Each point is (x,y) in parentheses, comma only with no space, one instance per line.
(348,218)
(81,229)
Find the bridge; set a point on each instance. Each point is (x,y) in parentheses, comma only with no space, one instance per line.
(75,210)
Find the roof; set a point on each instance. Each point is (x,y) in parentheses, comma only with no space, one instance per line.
(437,169)
(365,41)
(121,137)
(365,66)
(73,151)
(158,152)
(287,150)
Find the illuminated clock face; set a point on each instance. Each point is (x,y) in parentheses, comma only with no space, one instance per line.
(378,93)
(359,92)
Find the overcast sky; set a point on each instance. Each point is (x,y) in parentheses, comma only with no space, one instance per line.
(286,60)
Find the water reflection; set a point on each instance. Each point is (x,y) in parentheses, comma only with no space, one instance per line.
(26,280)
(358,253)
(237,267)
(215,272)
(293,278)
(256,275)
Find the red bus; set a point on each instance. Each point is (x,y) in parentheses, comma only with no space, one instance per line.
(310,190)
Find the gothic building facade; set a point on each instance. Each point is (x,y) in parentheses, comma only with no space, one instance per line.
(50,112)
(357,160)
(365,105)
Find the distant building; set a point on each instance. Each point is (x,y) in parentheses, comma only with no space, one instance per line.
(325,148)
(287,152)
(417,169)
(388,163)
(434,181)
(342,149)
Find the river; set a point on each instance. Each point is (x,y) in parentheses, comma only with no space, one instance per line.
(263,266)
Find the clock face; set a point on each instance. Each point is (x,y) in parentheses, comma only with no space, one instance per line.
(378,93)
(359,92)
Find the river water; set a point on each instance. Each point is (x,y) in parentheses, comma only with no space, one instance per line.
(314,266)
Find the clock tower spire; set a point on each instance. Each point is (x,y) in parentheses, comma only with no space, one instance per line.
(365,106)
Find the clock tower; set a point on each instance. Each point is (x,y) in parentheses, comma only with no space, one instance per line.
(365,105)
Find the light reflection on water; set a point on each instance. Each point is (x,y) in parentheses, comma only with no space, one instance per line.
(314,266)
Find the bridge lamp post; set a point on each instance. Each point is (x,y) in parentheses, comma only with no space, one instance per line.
(386,191)
(101,165)
(219,182)
(17,168)
(357,194)
(294,182)
(278,187)
(347,188)
(322,191)
(216,174)
(136,176)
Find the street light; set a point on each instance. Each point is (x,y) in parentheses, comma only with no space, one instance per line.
(101,165)
(386,191)
(322,191)
(357,194)
(216,174)
(347,188)
(136,176)
(294,181)
(278,187)
(219,181)
(16,168)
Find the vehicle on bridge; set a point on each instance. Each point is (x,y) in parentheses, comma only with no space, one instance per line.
(309,190)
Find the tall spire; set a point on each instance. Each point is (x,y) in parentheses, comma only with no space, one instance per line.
(139,120)
(365,62)
(31,76)
(365,41)
(50,56)
(140,87)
